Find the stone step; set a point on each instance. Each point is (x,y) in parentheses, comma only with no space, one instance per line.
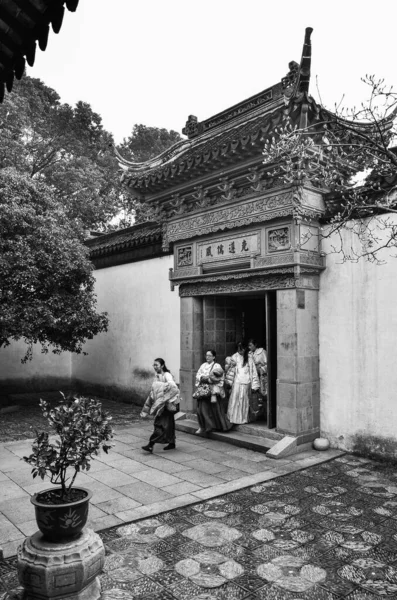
(257,429)
(235,438)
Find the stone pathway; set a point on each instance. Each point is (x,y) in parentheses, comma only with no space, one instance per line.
(328,532)
(130,484)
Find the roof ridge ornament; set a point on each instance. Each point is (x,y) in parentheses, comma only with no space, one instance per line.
(191,127)
(288,82)
(304,77)
(296,82)
(304,68)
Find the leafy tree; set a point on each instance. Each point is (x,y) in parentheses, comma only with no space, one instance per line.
(147,142)
(68,148)
(46,283)
(349,154)
(143,144)
(65,147)
(58,177)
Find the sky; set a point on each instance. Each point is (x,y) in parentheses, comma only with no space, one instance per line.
(155,62)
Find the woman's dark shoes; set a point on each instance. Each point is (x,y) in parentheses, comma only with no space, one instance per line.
(147,448)
(169,447)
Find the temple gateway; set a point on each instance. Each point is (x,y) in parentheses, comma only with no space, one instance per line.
(246,252)
(229,251)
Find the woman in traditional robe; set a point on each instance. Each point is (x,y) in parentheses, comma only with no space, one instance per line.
(211,412)
(259,356)
(162,403)
(245,382)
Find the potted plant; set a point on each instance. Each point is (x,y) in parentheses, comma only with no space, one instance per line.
(82,429)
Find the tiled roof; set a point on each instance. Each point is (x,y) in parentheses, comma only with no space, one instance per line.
(125,239)
(232,136)
(22,24)
(234,130)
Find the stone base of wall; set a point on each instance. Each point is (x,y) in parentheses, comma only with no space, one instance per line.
(369,446)
(32,385)
(136,394)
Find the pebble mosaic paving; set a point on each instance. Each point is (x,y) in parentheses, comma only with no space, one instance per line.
(328,532)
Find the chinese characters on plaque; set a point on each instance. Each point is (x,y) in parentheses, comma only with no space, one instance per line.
(228,248)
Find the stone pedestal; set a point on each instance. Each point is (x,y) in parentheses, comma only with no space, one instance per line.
(61,571)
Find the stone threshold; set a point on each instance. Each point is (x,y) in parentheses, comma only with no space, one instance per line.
(257,428)
(235,438)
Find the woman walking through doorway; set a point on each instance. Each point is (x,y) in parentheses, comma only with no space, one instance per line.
(162,403)
(245,381)
(210,395)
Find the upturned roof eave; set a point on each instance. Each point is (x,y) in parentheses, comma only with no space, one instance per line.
(192,150)
(179,148)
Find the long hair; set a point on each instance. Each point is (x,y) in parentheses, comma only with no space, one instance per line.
(241,346)
(162,364)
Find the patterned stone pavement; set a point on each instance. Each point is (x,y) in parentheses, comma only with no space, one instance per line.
(129,484)
(324,533)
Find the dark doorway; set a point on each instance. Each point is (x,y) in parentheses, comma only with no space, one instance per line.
(259,321)
(228,319)
(253,319)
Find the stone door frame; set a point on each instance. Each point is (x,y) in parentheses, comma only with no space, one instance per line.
(298,386)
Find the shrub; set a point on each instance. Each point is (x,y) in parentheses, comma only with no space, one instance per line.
(83,429)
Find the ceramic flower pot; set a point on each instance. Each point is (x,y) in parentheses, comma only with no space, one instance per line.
(321,444)
(61,521)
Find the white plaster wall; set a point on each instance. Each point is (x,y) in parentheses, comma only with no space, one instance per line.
(358,337)
(43,372)
(144,325)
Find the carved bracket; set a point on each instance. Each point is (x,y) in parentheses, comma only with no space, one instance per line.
(227,187)
(255,178)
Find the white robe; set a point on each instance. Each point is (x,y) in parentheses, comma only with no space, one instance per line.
(245,380)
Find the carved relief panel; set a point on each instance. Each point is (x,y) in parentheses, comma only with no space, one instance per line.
(184,256)
(184,260)
(278,239)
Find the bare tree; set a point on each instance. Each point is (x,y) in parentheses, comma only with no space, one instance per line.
(348,154)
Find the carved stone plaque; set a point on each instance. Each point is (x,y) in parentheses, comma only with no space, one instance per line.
(184,256)
(278,239)
(227,248)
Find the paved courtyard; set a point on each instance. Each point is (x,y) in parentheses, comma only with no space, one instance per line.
(130,484)
(323,533)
